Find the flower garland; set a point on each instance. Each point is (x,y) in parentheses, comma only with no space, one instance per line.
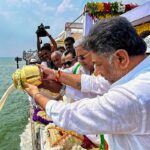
(40,116)
(107,10)
(30,74)
(143,27)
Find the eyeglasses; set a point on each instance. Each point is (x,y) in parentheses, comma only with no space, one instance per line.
(82,57)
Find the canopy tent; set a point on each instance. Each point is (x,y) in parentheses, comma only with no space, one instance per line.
(95,11)
(74,30)
(60,38)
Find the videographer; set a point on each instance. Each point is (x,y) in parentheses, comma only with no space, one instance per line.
(44,51)
(42,32)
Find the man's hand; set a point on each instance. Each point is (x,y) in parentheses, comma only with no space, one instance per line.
(51,85)
(48,74)
(31,89)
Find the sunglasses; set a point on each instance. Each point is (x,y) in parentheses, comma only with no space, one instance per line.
(82,57)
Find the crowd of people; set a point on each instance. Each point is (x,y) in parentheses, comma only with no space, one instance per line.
(104,81)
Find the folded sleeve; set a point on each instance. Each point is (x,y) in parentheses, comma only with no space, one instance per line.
(96,85)
(115,112)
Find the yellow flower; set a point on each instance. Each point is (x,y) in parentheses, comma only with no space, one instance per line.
(101,17)
(108,16)
(100,7)
(142,27)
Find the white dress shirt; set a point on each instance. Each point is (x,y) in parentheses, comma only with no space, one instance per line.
(123,113)
(73,94)
(94,84)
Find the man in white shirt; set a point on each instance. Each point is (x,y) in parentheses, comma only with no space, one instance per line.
(123,112)
(83,66)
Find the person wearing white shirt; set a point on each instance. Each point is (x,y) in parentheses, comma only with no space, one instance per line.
(83,66)
(123,112)
(94,84)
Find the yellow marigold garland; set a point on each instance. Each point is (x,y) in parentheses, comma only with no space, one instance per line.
(100,7)
(142,27)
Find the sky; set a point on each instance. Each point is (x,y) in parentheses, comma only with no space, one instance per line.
(19,20)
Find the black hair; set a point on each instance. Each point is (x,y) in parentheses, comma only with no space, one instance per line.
(110,35)
(46,46)
(69,39)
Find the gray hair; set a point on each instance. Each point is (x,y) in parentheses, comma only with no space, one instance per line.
(109,35)
(56,53)
(78,43)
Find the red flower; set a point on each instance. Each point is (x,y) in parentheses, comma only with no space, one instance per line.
(107,8)
(127,7)
(87,143)
(133,6)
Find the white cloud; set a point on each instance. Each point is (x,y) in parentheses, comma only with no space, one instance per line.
(39,8)
(21,1)
(64,6)
(41,4)
(57,26)
(45,7)
(12,3)
(5,14)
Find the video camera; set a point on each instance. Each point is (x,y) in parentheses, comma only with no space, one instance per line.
(41,30)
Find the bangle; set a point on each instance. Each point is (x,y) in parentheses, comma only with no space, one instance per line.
(62,91)
(58,75)
(36,95)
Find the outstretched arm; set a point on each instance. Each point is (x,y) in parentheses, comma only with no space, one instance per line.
(38,43)
(94,116)
(85,83)
(73,80)
(54,47)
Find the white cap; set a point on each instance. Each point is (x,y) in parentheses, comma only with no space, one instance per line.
(33,60)
(147,41)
